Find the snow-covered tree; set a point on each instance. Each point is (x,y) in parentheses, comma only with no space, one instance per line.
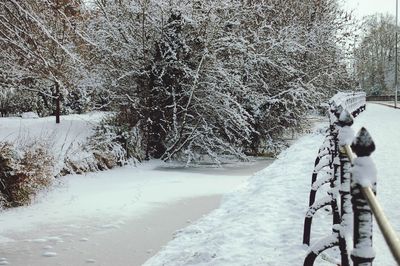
(37,55)
(374,55)
(215,77)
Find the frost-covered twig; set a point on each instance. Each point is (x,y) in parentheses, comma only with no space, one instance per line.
(44,30)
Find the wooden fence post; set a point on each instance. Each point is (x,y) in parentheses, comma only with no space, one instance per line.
(363,175)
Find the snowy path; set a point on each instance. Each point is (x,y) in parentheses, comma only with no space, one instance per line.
(386,103)
(262,224)
(383,123)
(117,217)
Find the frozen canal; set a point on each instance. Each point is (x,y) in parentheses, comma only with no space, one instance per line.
(118,217)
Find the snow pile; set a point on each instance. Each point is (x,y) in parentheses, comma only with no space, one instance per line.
(364,171)
(345,136)
(364,252)
(346,133)
(29,115)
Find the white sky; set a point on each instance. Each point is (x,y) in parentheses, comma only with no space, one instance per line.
(369,7)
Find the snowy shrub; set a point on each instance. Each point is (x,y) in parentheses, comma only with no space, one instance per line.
(80,100)
(25,170)
(93,156)
(8,162)
(115,142)
(13,102)
(3,201)
(34,174)
(78,160)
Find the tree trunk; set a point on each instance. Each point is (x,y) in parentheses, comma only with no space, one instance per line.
(58,103)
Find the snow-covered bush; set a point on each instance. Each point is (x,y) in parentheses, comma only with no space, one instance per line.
(8,162)
(111,145)
(25,170)
(14,102)
(78,160)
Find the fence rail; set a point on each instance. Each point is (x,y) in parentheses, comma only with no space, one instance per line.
(352,181)
(382,98)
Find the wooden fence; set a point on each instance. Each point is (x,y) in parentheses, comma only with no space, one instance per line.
(352,182)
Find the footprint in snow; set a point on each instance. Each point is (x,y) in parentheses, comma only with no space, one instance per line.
(90,261)
(84,239)
(49,254)
(110,226)
(55,239)
(39,240)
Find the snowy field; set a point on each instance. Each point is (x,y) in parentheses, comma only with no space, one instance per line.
(62,139)
(262,223)
(72,128)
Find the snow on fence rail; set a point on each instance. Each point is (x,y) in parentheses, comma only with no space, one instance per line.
(352,190)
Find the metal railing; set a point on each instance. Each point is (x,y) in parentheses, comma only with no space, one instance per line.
(386,228)
(352,194)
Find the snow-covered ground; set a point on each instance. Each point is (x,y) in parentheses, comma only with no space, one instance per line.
(388,103)
(72,128)
(262,223)
(62,139)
